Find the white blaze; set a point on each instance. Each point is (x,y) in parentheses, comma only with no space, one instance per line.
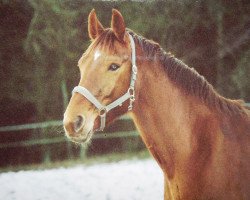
(97,55)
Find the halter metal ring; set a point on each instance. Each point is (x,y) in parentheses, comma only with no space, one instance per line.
(102,112)
(131,91)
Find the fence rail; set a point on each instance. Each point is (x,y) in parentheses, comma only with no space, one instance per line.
(53,140)
(38,125)
(47,141)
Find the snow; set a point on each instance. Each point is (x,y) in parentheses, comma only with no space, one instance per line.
(124,180)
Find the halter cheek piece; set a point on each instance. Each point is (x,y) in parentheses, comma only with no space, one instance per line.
(130,94)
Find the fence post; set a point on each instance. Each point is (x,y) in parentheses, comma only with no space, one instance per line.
(46,158)
(64,94)
(69,150)
(83,151)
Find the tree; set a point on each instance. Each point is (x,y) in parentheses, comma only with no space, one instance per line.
(52,43)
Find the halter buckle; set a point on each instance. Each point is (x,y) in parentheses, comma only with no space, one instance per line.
(134,69)
(102,113)
(131,91)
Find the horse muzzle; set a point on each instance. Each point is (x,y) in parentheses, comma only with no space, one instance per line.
(78,129)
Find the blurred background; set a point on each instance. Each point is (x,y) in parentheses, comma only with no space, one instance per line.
(42,40)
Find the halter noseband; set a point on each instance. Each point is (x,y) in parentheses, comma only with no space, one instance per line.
(130,94)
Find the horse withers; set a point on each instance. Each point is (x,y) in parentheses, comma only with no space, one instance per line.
(199,138)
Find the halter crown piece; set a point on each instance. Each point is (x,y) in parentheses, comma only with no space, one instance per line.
(130,94)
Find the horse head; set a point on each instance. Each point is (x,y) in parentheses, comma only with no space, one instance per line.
(106,86)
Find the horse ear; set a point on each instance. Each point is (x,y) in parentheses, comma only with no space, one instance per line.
(95,28)
(118,25)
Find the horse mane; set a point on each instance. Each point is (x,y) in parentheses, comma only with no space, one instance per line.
(186,78)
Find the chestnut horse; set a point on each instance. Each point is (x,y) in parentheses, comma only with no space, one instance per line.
(199,138)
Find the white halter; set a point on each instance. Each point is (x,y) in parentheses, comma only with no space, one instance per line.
(130,94)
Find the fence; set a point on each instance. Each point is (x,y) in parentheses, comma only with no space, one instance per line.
(48,140)
(42,125)
(118,132)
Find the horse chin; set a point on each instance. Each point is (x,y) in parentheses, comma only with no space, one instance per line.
(83,137)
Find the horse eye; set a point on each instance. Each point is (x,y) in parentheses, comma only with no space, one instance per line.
(114,67)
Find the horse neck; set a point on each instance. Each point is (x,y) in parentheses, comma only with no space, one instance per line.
(164,115)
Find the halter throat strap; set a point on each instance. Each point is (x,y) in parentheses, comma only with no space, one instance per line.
(130,94)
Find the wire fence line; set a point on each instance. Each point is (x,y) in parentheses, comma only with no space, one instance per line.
(39,125)
(45,144)
(53,140)
(47,141)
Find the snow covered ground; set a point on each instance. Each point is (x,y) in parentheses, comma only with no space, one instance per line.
(124,180)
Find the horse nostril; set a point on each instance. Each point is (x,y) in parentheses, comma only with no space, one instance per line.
(79,123)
